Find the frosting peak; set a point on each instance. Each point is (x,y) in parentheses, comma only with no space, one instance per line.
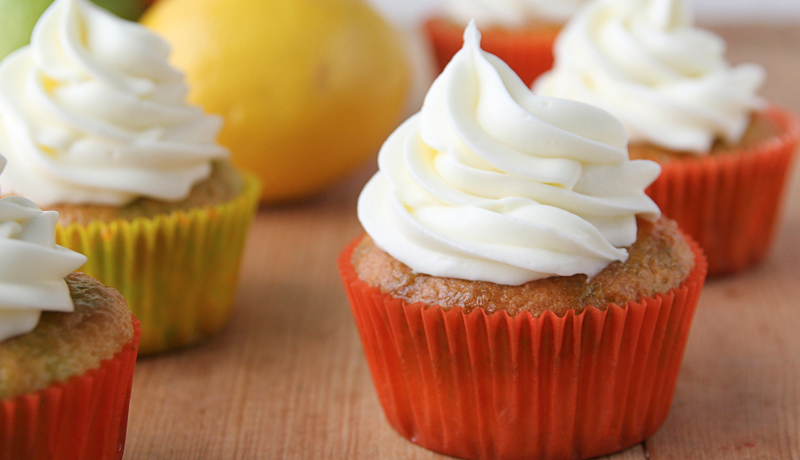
(33,267)
(666,80)
(491,182)
(92,112)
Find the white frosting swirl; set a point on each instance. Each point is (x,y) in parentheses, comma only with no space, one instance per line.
(643,61)
(490,182)
(33,267)
(511,13)
(92,112)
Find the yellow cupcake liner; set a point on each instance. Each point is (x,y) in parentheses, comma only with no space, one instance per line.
(177,271)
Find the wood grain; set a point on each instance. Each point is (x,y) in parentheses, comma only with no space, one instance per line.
(287,379)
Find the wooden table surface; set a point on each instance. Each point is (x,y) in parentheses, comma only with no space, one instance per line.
(287,378)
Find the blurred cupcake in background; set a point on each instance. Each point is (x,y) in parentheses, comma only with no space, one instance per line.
(67,346)
(725,152)
(520,32)
(95,125)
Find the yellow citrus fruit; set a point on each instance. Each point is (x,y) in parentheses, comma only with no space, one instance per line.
(308,88)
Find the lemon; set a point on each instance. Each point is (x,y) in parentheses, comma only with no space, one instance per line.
(309,89)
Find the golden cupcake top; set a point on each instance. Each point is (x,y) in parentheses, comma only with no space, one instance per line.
(64,345)
(659,260)
(32,266)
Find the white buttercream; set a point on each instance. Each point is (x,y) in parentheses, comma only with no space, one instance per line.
(32,266)
(92,112)
(667,81)
(511,13)
(490,182)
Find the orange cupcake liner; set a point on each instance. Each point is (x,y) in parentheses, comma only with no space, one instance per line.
(528,52)
(491,386)
(85,418)
(730,203)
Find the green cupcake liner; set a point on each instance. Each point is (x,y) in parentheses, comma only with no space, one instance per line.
(177,271)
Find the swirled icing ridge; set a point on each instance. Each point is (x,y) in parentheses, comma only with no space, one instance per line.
(491,182)
(667,81)
(92,112)
(33,267)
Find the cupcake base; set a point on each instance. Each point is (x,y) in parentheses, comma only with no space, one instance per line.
(177,271)
(481,386)
(85,418)
(528,51)
(730,202)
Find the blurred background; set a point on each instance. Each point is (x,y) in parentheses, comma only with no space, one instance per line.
(408,15)
(708,11)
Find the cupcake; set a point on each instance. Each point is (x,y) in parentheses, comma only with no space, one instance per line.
(95,125)
(725,152)
(520,32)
(67,347)
(517,293)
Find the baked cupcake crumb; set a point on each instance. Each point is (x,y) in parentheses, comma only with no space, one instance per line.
(760,129)
(658,261)
(67,344)
(223,185)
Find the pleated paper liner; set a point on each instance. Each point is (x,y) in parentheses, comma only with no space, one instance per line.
(177,271)
(85,418)
(528,52)
(730,203)
(490,386)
